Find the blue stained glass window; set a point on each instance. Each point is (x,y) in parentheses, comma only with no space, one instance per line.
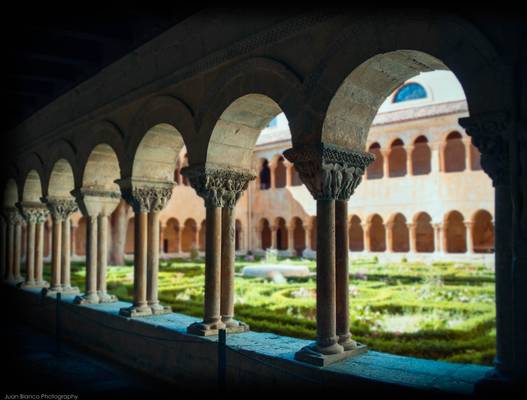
(410,91)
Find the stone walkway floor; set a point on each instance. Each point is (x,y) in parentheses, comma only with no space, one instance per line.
(32,366)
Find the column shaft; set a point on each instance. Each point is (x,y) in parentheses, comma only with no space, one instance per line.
(56,254)
(102,254)
(327,340)
(17,253)
(39,254)
(470,238)
(227,264)
(30,254)
(212,266)
(3,248)
(66,254)
(140,260)
(10,251)
(91,259)
(153,260)
(341,273)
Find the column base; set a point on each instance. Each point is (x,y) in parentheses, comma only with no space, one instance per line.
(205,329)
(13,281)
(51,291)
(235,326)
(158,309)
(135,311)
(311,355)
(71,290)
(106,297)
(42,284)
(86,299)
(33,285)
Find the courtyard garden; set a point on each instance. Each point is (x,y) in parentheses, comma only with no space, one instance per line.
(444,311)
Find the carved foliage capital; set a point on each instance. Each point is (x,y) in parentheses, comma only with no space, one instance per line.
(329,172)
(34,214)
(60,209)
(13,216)
(219,187)
(487,132)
(147,198)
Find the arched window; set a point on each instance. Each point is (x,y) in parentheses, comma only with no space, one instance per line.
(202,235)
(400,235)
(281,234)
(456,238)
(410,91)
(188,235)
(454,153)
(483,232)
(265,175)
(266,234)
(280,173)
(375,169)
(377,234)
(356,234)
(424,234)
(421,156)
(299,236)
(171,236)
(397,159)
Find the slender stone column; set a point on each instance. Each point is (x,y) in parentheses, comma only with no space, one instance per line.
(90,295)
(180,240)
(409,164)
(73,239)
(274,244)
(342,274)
(470,237)
(385,162)
(389,237)
(102,260)
(331,175)
(11,222)
(291,240)
(39,250)
(467,142)
(147,200)
(219,188)
(30,252)
(438,238)
(161,239)
(413,237)
(65,279)
(17,253)
(367,241)
(435,158)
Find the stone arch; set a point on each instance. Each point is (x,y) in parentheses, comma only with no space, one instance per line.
(265,232)
(171,236)
(483,232)
(376,168)
(101,170)
(280,172)
(61,180)
(264,175)
(454,153)
(241,103)
(377,233)
(384,52)
(103,144)
(424,233)
(32,189)
(455,232)
(421,156)
(189,235)
(130,236)
(202,235)
(299,235)
(59,150)
(281,234)
(32,165)
(10,193)
(356,234)
(157,154)
(400,235)
(397,159)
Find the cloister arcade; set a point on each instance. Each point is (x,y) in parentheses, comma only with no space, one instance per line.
(330,99)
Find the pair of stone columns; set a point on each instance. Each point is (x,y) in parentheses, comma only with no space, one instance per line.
(35,216)
(220,190)
(14,222)
(96,205)
(147,200)
(331,175)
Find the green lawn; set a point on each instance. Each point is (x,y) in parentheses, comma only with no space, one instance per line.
(443,311)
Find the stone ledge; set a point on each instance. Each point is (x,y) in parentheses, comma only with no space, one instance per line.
(160,346)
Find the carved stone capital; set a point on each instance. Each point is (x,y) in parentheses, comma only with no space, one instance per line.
(329,172)
(487,132)
(60,209)
(219,187)
(146,196)
(35,213)
(13,216)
